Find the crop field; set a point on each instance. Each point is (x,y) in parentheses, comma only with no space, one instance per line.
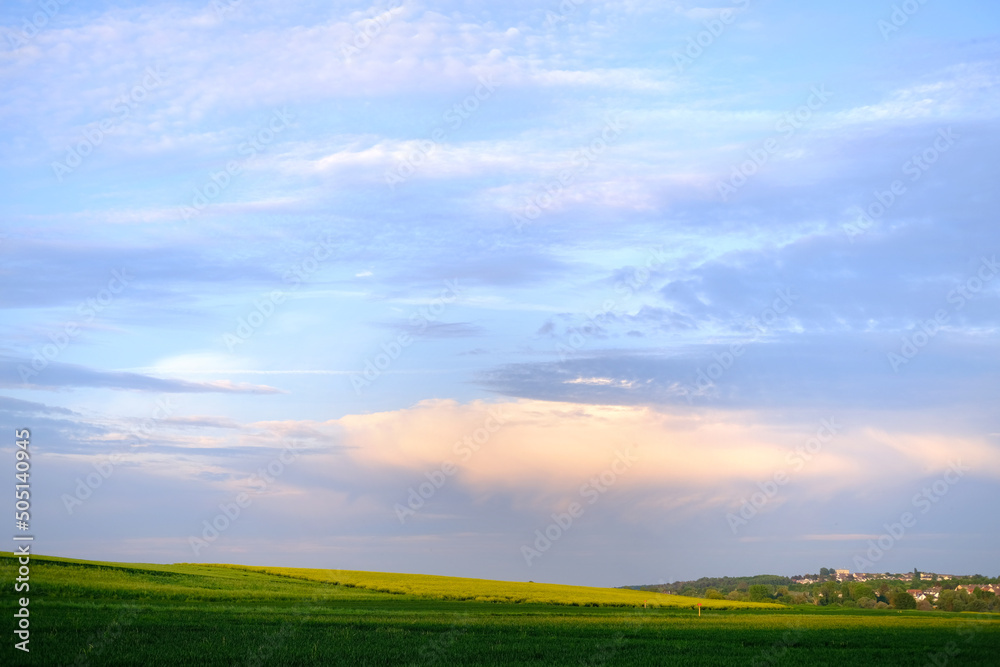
(91,613)
(485,590)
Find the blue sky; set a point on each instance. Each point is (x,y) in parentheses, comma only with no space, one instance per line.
(635,260)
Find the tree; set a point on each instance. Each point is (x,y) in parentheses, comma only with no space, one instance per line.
(860,590)
(760,593)
(903,600)
(977,605)
(824,572)
(713,594)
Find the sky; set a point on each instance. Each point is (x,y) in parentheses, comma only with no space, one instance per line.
(595,293)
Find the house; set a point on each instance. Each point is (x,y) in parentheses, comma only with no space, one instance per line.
(972,587)
(917,594)
(841,574)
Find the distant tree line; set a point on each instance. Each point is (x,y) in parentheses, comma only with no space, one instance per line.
(872,594)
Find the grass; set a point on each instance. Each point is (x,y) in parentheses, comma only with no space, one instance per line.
(485,590)
(89,613)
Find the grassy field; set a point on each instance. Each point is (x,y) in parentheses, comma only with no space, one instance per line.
(86,613)
(486,590)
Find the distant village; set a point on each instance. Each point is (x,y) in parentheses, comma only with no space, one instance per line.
(843,588)
(846,575)
(928,593)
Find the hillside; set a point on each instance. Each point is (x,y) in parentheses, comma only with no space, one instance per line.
(486,590)
(66,576)
(101,613)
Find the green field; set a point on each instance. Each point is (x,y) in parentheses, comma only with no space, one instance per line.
(89,613)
